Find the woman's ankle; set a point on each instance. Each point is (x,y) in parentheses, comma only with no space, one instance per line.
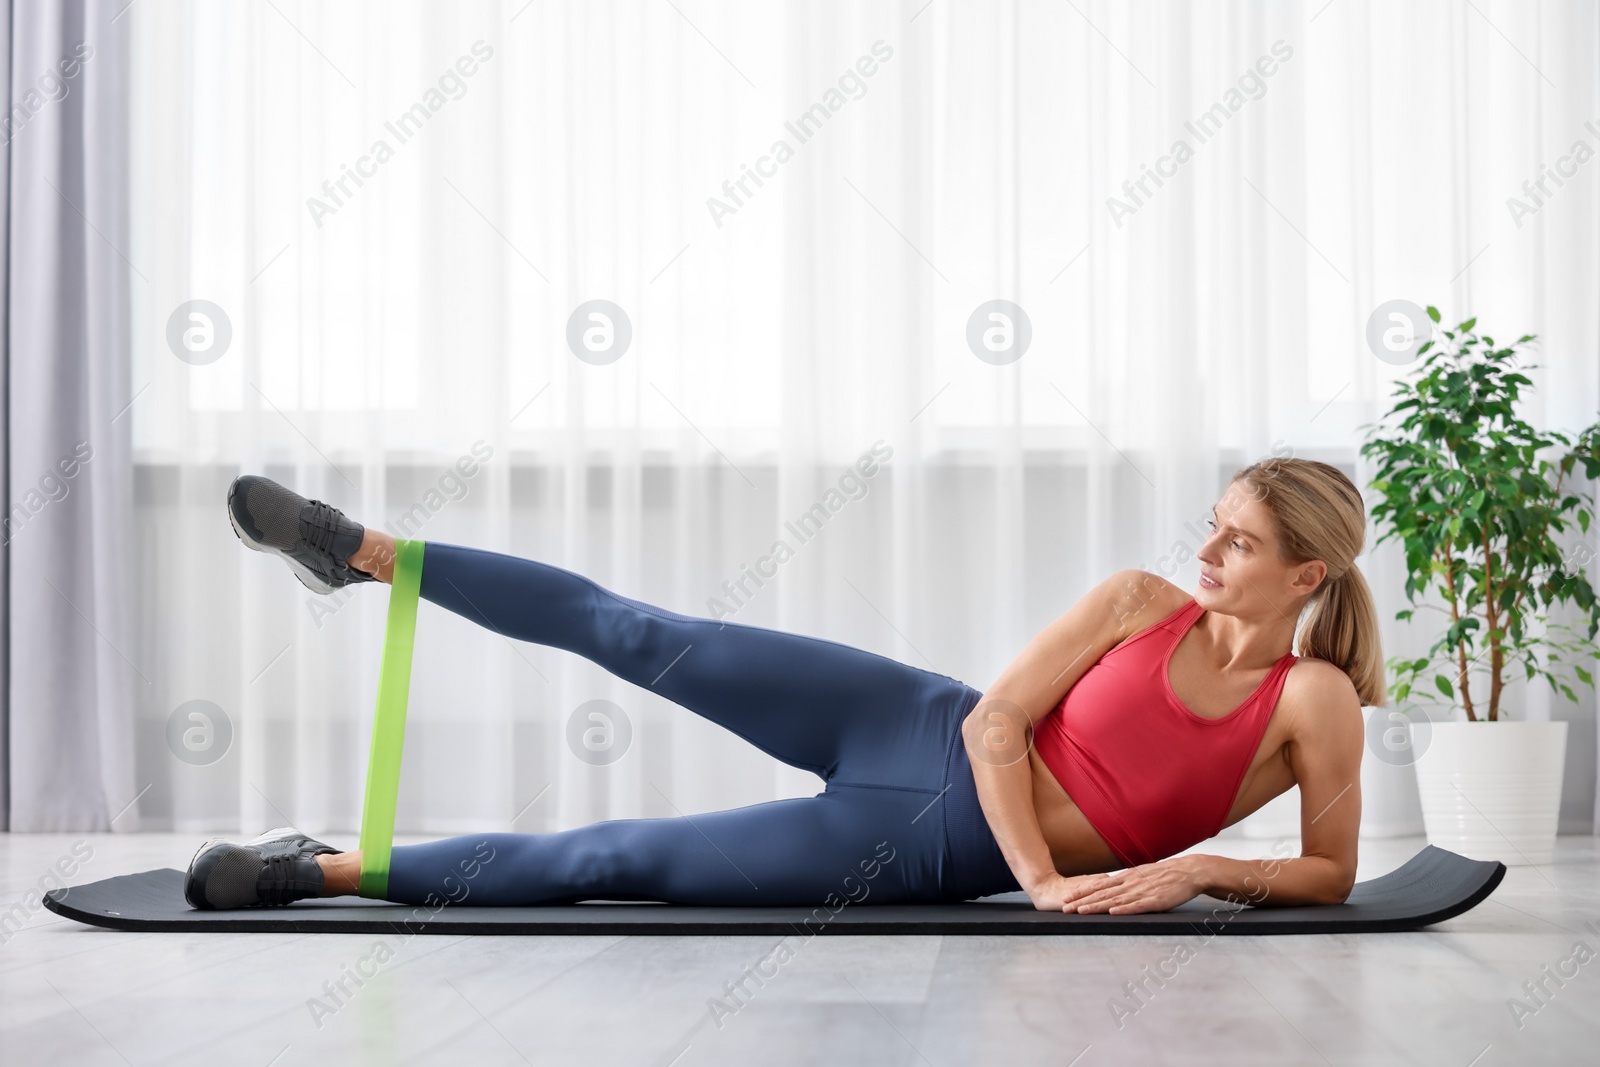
(375,556)
(341,873)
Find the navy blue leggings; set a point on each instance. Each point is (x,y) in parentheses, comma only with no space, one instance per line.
(897,821)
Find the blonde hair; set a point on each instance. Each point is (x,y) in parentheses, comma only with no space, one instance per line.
(1320,516)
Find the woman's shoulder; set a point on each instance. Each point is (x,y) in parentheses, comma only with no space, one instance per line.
(1144,600)
(1321,696)
(1318,675)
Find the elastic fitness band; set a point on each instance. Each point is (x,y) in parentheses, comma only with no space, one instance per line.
(389,720)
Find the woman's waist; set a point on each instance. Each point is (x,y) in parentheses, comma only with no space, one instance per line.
(1076,845)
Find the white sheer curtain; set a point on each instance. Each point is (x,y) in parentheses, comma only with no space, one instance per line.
(382,331)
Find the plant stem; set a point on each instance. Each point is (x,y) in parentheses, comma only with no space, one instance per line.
(1461,649)
(1450,586)
(1495,660)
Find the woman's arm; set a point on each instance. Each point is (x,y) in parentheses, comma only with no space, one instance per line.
(1004,780)
(1326,741)
(1325,755)
(999,731)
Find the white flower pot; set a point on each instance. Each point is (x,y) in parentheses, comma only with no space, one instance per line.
(1492,790)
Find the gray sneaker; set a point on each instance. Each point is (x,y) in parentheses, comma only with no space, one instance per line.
(279,867)
(315,539)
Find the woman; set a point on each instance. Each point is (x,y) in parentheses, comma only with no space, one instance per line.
(1139,723)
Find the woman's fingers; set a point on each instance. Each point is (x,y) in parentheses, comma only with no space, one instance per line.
(1098,883)
(1100,893)
(1114,895)
(1107,904)
(1099,903)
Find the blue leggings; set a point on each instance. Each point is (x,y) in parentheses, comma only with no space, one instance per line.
(897,821)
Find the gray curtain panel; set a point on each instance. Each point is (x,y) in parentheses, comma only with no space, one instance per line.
(5,446)
(71,689)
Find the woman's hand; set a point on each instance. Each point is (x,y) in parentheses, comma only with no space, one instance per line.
(1159,886)
(1053,891)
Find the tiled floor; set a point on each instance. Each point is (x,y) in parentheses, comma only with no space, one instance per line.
(78,995)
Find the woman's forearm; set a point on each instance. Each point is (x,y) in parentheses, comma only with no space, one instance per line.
(1004,781)
(1272,882)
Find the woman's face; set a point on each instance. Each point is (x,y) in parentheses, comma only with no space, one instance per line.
(1242,570)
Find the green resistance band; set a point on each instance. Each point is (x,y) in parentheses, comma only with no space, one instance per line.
(389,721)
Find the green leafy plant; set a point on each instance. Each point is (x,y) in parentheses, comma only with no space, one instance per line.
(1475,494)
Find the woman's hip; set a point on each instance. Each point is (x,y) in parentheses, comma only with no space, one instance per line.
(960,859)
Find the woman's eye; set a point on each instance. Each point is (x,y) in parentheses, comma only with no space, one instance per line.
(1236,544)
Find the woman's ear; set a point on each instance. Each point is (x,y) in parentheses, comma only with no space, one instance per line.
(1311,576)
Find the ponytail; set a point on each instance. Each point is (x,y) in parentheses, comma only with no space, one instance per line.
(1343,629)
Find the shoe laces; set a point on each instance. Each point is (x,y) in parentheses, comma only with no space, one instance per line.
(324,522)
(277,882)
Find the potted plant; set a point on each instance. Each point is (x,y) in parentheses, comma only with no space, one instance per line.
(1479,497)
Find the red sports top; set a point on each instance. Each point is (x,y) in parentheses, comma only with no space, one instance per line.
(1149,774)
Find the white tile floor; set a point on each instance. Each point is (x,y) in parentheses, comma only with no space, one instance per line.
(78,995)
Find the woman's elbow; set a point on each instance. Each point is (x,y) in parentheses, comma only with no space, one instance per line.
(1339,887)
(997,733)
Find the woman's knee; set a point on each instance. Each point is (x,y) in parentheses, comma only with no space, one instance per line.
(640,643)
(605,856)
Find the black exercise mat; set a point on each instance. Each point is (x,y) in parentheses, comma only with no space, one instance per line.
(1434,885)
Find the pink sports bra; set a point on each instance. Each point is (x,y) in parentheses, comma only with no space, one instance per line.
(1149,774)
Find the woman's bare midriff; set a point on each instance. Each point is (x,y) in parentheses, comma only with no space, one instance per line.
(1076,847)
